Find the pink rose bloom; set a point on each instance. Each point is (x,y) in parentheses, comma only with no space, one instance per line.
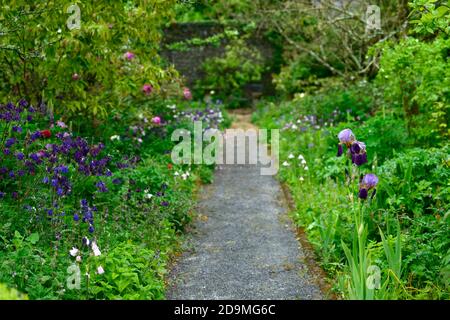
(156,120)
(129,55)
(147,88)
(187,94)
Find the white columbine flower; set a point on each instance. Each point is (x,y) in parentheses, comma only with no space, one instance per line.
(294,127)
(286,164)
(100,270)
(300,157)
(306,168)
(95,249)
(73,252)
(78,258)
(115,137)
(291,156)
(303,161)
(176,174)
(148,195)
(184,176)
(301,179)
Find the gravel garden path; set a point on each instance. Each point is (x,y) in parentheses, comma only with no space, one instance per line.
(242,245)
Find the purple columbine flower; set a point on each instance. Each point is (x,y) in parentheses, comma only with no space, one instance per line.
(17,129)
(101,186)
(91,228)
(86,241)
(20,156)
(368,182)
(117,181)
(9,142)
(35,135)
(76,217)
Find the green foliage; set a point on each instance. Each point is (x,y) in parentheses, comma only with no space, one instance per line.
(419,86)
(81,71)
(10,294)
(403,231)
(430,16)
(215,40)
(133,273)
(241,65)
(416,182)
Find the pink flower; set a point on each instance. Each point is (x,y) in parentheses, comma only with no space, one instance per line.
(75,76)
(129,55)
(156,120)
(61,124)
(187,94)
(147,88)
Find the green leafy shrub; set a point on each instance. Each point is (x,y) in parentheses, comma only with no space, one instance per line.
(418,86)
(85,71)
(133,273)
(227,75)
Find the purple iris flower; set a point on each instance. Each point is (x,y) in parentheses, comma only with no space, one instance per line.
(346,137)
(17,129)
(358,153)
(368,182)
(340,150)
